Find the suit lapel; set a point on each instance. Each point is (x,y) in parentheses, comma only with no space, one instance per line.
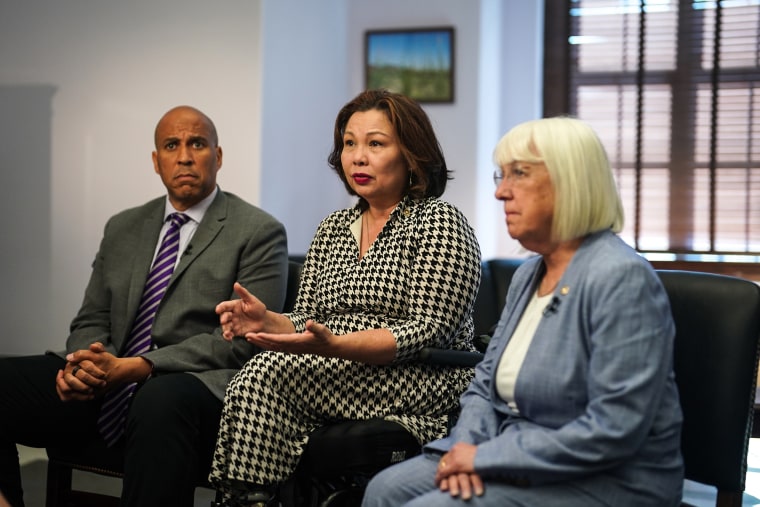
(208,229)
(145,242)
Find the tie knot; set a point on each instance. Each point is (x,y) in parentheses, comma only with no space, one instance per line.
(178,219)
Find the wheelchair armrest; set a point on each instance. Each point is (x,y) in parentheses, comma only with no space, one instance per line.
(448,357)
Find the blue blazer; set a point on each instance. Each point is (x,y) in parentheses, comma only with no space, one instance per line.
(596,392)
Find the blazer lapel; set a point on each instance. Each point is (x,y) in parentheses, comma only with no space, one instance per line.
(208,229)
(145,245)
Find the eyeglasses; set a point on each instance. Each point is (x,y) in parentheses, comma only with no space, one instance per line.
(498,177)
(516,173)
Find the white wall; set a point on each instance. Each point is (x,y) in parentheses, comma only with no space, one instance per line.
(456,123)
(512,92)
(498,83)
(304,86)
(113,68)
(83,82)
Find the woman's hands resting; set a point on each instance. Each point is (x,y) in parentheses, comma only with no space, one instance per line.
(456,472)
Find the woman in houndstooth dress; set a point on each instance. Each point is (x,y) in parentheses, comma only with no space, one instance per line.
(396,273)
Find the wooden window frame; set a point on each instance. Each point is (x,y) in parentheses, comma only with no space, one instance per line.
(558,99)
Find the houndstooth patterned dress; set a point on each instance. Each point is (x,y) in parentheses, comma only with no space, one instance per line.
(419,279)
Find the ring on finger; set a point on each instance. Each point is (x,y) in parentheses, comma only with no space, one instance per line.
(75,370)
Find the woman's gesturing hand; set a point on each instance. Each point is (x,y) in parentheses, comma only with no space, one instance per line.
(241,316)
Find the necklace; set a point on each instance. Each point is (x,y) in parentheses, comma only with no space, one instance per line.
(367,235)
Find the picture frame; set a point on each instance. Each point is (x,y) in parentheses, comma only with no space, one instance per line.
(417,62)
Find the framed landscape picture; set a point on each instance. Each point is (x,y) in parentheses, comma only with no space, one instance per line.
(418,62)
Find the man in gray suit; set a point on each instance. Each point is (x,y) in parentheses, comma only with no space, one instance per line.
(171,425)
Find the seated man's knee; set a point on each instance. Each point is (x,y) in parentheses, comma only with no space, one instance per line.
(162,402)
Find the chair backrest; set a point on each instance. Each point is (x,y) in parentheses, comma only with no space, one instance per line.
(717,322)
(92,456)
(294,279)
(496,274)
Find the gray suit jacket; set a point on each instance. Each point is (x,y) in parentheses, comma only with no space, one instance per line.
(596,391)
(234,242)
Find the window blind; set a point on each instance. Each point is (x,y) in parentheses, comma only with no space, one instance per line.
(673,89)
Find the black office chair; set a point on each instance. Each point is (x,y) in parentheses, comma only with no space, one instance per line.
(716,353)
(341,458)
(717,322)
(95,457)
(496,275)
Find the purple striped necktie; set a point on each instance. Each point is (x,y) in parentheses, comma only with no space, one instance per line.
(113,412)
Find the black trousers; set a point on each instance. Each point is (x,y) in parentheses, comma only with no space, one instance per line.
(169,440)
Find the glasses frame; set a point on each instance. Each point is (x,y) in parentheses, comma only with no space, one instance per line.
(516,174)
(498,177)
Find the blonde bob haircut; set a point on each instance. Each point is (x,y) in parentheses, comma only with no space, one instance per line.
(586,198)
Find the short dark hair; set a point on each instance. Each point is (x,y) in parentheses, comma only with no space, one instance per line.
(419,146)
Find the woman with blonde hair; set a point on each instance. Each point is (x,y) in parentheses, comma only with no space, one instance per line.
(575,403)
